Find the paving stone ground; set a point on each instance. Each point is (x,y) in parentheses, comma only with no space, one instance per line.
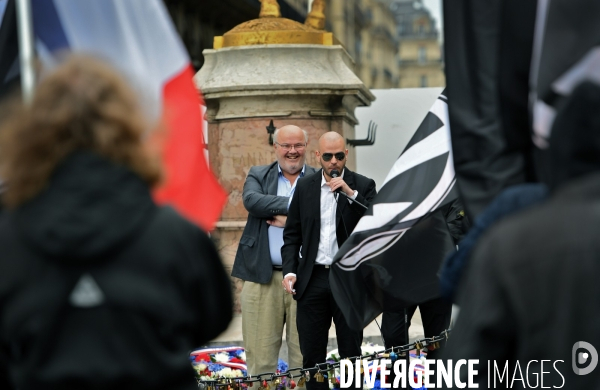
(371,334)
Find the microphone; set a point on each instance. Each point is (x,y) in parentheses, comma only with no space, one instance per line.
(334,174)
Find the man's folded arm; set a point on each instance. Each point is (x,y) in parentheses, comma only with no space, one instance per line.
(258,203)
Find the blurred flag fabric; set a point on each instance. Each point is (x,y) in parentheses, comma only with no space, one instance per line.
(139,38)
(509,65)
(487,54)
(9,48)
(566,53)
(392,257)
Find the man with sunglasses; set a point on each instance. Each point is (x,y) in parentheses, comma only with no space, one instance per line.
(265,307)
(319,221)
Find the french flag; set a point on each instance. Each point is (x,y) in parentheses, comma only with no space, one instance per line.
(139,38)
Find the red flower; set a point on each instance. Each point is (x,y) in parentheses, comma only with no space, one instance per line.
(203,357)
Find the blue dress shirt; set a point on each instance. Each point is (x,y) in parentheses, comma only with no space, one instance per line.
(284,188)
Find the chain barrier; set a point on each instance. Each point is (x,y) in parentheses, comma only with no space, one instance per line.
(273,380)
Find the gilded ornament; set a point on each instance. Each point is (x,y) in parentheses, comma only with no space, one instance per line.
(269,9)
(316,17)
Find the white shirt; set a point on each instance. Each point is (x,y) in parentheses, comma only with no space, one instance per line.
(328,245)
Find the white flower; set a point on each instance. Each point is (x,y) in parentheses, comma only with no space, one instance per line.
(243,355)
(228,372)
(369,349)
(200,367)
(222,357)
(208,377)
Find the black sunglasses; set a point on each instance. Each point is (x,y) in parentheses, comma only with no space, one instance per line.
(340,156)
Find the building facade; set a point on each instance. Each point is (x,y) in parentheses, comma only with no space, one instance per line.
(420,59)
(367,29)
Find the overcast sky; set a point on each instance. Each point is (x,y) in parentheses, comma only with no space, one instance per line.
(397,114)
(2,8)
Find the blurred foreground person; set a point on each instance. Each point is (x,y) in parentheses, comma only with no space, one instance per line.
(530,299)
(100,288)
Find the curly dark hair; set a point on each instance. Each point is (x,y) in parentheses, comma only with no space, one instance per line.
(83,104)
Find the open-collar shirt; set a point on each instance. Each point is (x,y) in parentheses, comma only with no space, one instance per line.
(284,188)
(328,245)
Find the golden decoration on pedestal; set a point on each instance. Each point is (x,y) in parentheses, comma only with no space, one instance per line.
(271,28)
(316,17)
(269,9)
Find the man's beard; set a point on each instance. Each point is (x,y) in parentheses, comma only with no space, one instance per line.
(292,167)
(327,171)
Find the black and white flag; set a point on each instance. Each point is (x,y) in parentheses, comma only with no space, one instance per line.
(392,257)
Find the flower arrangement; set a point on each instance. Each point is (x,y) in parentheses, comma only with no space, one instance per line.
(230,362)
(224,362)
(219,362)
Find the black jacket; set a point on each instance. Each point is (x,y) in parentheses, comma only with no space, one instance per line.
(101,289)
(456,219)
(302,229)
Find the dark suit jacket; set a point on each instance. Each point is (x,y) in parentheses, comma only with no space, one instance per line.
(302,230)
(253,258)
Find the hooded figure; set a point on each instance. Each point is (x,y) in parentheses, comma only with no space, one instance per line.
(100,288)
(530,298)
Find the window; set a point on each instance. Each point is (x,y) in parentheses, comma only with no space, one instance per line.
(358,47)
(422,54)
(423,81)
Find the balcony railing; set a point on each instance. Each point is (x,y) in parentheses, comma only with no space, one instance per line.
(416,62)
(418,35)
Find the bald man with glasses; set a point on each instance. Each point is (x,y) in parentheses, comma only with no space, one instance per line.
(319,221)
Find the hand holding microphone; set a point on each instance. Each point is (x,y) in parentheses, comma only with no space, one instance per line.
(338,184)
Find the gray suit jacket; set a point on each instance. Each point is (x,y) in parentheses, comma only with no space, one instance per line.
(253,258)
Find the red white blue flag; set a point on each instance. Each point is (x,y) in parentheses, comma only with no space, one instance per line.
(139,38)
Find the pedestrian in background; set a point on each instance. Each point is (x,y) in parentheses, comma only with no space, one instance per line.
(266,308)
(100,287)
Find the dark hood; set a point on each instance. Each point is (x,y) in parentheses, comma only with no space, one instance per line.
(90,207)
(575,138)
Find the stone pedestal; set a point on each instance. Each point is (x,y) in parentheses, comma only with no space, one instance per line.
(310,86)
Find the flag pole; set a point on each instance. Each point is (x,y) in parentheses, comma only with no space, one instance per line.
(26,48)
